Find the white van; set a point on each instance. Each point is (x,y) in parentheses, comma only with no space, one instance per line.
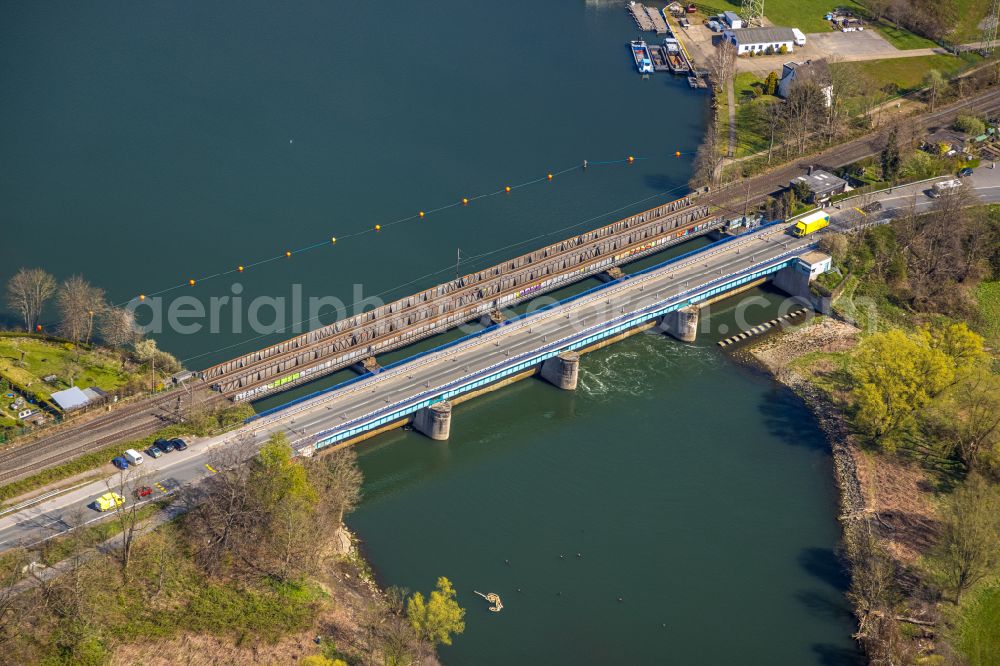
(800,37)
(943,186)
(133,457)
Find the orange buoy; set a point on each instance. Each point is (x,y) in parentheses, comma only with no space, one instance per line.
(677,154)
(378,227)
(465,202)
(191,282)
(507,189)
(38,328)
(421,213)
(631,159)
(550,176)
(239,268)
(333,239)
(142,297)
(288,253)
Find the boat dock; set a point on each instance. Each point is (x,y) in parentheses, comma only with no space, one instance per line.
(649,19)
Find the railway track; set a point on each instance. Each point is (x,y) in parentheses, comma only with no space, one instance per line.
(733,196)
(132,421)
(309,356)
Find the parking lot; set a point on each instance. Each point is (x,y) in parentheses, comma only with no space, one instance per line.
(834,45)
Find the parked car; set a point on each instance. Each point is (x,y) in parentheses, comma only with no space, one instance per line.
(133,457)
(119,462)
(179,443)
(164,445)
(108,501)
(965,172)
(143,491)
(873,207)
(154,452)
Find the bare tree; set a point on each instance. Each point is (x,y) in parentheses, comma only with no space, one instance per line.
(804,111)
(126,484)
(969,548)
(27,292)
(722,64)
(337,479)
(78,303)
(118,328)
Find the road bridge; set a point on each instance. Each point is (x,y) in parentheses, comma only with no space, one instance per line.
(420,388)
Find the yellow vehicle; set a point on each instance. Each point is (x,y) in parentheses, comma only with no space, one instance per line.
(109,501)
(810,223)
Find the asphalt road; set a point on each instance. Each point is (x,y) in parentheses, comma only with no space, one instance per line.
(372,397)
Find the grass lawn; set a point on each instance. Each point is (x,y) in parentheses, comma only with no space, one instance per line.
(988,295)
(806,15)
(977,628)
(95,367)
(907,73)
(969,13)
(902,38)
(751,133)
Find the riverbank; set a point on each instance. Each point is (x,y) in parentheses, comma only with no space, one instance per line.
(885,506)
(343,628)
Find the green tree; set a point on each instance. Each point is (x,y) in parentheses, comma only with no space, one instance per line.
(890,158)
(968,549)
(963,346)
(935,84)
(971,125)
(771,83)
(895,375)
(439,617)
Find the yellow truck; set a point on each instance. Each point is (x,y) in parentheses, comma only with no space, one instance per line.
(109,501)
(810,223)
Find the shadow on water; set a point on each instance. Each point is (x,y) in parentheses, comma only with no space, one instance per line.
(824,564)
(833,655)
(782,412)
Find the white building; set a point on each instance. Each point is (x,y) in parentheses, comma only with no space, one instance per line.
(757,40)
(810,70)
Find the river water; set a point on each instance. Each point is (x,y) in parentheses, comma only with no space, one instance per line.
(144,144)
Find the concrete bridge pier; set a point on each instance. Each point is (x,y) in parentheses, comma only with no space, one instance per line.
(434,421)
(794,280)
(682,324)
(562,371)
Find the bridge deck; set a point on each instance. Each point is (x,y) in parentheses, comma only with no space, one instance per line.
(367,404)
(311,355)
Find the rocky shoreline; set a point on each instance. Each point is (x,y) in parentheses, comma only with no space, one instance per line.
(776,355)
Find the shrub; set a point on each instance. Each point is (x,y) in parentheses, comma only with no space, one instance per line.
(783,50)
(971,125)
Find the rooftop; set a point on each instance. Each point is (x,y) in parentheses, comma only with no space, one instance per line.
(821,181)
(71,398)
(762,35)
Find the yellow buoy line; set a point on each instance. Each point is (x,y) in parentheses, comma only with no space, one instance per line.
(463,201)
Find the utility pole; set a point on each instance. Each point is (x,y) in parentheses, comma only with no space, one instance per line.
(752,11)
